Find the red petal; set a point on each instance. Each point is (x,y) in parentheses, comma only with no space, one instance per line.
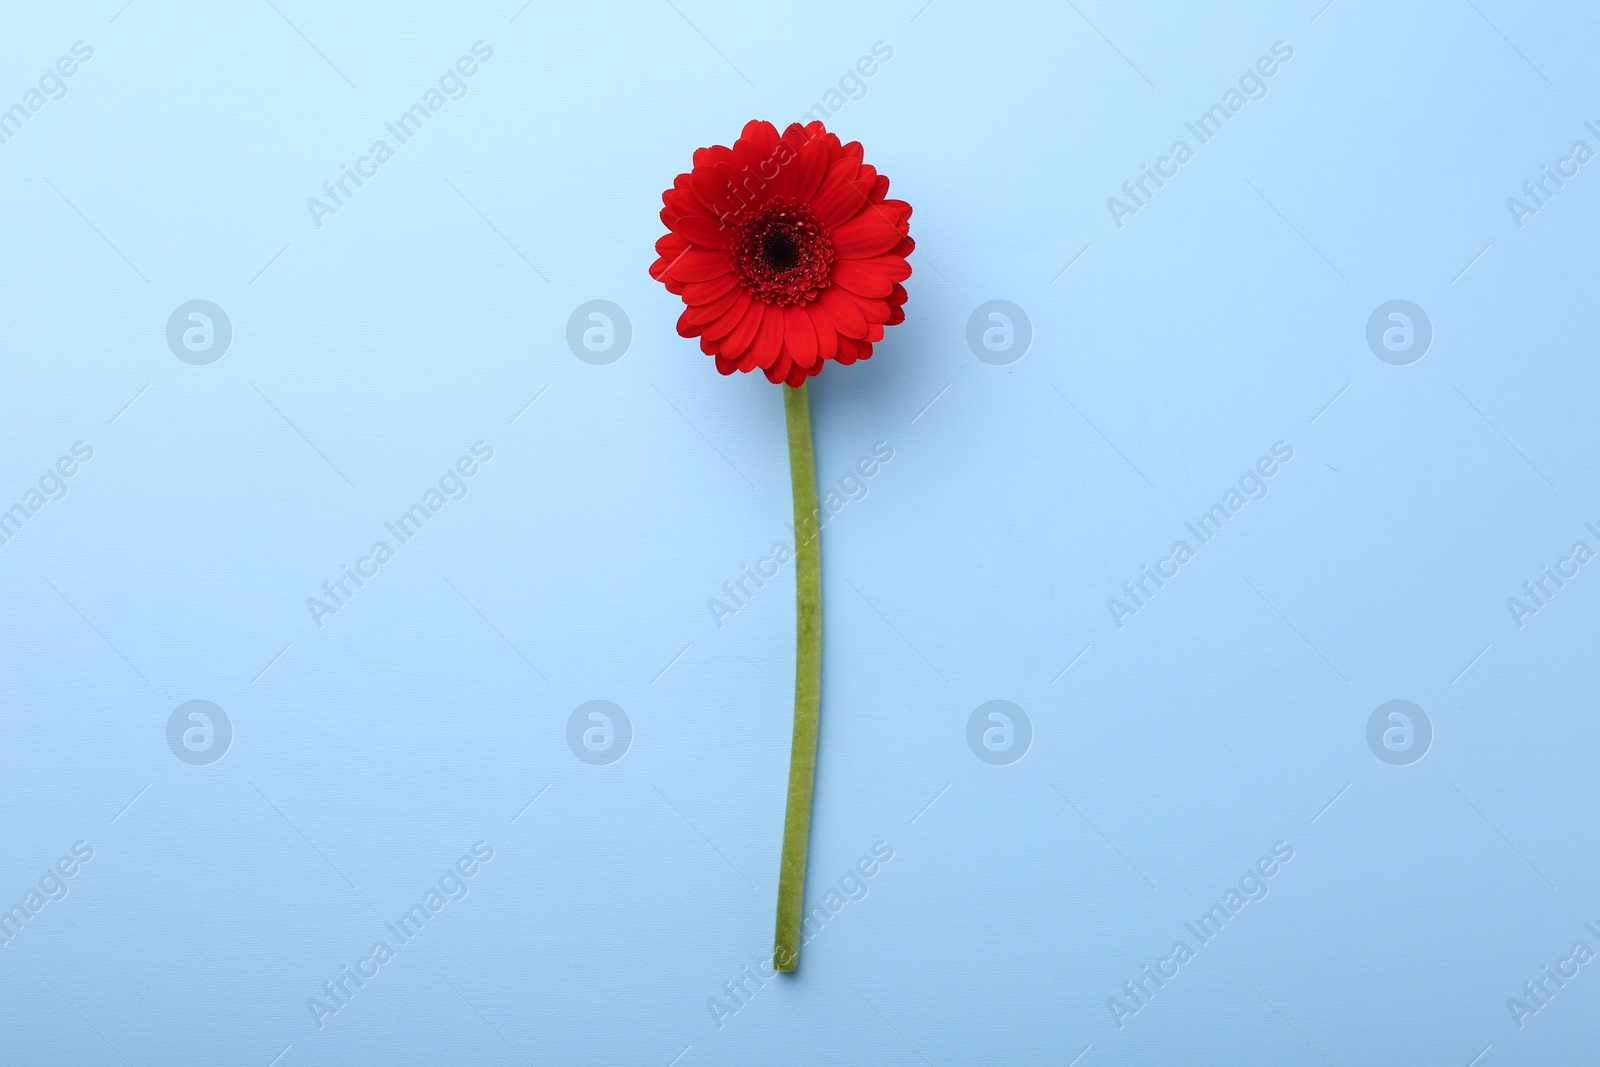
(725,323)
(841,307)
(897,313)
(739,338)
(687,327)
(827,335)
(799,339)
(702,231)
(857,277)
(873,310)
(898,210)
(706,292)
(702,314)
(761,134)
(701,265)
(865,235)
(682,198)
(816,156)
(859,350)
(713,193)
(836,200)
(895,268)
(779,370)
(768,343)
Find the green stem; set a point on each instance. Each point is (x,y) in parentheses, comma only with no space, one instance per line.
(807,678)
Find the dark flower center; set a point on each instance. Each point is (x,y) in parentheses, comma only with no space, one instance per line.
(779,252)
(783,254)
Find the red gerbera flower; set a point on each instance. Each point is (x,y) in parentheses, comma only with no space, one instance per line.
(786,252)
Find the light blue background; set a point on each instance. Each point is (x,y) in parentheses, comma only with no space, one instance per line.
(1227,715)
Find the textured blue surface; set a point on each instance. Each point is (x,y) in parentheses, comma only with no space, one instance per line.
(1176,734)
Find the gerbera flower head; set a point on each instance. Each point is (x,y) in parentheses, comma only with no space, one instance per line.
(786,251)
